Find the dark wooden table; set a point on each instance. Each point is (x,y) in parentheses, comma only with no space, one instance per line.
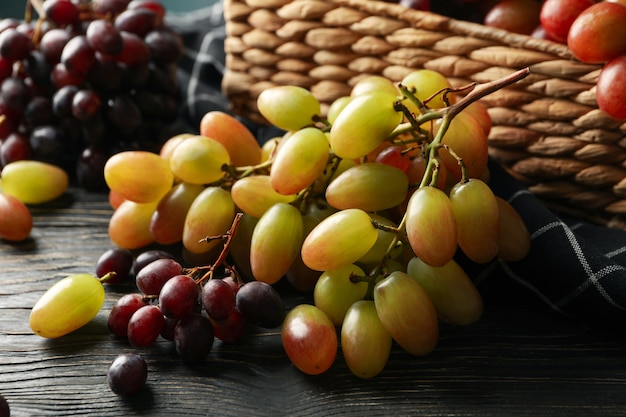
(511,363)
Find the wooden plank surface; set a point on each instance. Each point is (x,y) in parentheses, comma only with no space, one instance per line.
(511,363)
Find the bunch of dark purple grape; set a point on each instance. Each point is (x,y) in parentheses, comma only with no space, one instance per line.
(85,80)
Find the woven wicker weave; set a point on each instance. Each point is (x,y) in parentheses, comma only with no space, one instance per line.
(547,129)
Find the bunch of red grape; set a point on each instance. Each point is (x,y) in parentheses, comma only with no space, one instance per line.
(86,80)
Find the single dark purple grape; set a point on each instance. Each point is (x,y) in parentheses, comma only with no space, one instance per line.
(48,144)
(62,100)
(179,297)
(110,6)
(38,112)
(193,338)
(77,56)
(5,410)
(52,43)
(165,46)
(260,304)
(138,21)
(118,260)
(15,93)
(104,37)
(218,299)
(61,76)
(61,12)
(38,70)
(15,147)
(122,311)
(145,325)
(90,168)
(128,374)
(135,51)
(124,113)
(150,255)
(151,278)
(86,104)
(15,45)
(153,5)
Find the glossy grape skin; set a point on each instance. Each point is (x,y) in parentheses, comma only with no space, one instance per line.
(104,37)
(218,299)
(168,219)
(477,218)
(514,238)
(611,88)
(370,187)
(309,339)
(16,221)
(122,311)
(148,256)
(517,16)
(339,240)
(33,182)
(335,292)
(193,338)
(557,16)
(127,375)
(431,226)
(374,83)
(276,242)
(299,161)
(407,313)
(426,84)
(365,343)
(138,176)
(199,160)
(151,278)
(118,260)
(68,305)
(238,140)
(598,34)
(288,107)
(260,304)
(363,124)
(198,225)
(145,325)
(231,329)
(179,296)
(129,226)
(61,12)
(453,294)
(254,195)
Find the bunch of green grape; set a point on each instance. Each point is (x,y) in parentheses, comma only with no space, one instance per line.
(364,206)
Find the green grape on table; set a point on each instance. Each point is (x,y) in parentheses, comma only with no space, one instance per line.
(365,343)
(68,305)
(276,242)
(299,161)
(452,292)
(33,182)
(199,160)
(427,84)
(254,195)
(211,214)
(129,226)
(289,107)
(238,140)
(371,186)
(339,240)
(407,312)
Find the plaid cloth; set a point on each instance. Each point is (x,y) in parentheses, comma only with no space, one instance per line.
(575,269)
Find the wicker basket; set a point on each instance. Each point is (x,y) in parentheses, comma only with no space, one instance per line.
(547,129)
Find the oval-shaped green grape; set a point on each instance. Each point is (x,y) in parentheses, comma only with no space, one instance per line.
(129,226)
(276,242)
(365,343)
(407,313)
(373,84)
(33,182)
(336,107)
(514,241)
(477,218)
(339,240)
(363,124)
(431,226)
(138,176)
(288,107)
(309,339)
(371,186)
(199,160)
(67,306)
(299,161)
(378,252)
(254,195)
(426,84)
(335,291)
(211,214)
(168,220)
(452,292)
(16,221)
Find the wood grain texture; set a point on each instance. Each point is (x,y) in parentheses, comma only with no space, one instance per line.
(510,363)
